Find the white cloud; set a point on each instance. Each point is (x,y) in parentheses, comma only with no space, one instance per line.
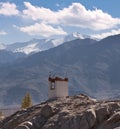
(2,32)
(104,35)
(8,9)
(78,15)
(42,30)
(74,15)
(40,13)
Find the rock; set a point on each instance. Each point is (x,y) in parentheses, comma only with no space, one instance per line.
(102,114)
(91,117)
(75,112)
(72,123)
(114,118)
(114,106)
(22,127)
(84,123)
(29,124)
(47,111)
(88,119)
(38,122)
(25,125)
(112,123)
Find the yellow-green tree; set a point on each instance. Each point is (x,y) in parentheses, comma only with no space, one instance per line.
(27,101)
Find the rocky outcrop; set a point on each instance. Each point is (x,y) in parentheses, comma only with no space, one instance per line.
(76,112)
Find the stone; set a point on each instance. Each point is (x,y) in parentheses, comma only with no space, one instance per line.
(114,106)
(25,125)
(22,127)
(29,124)
(102,114)
(47,111)
(88,119)
(84,123)
(114,118)
(112,123)
(91,117)
(75,112)
(39,121)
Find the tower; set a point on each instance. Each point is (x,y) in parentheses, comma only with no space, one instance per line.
(58,87)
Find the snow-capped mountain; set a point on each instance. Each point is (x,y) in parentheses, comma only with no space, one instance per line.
(75,35)
(37,45)
(32,46)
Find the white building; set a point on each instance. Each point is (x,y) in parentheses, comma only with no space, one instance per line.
(58,87)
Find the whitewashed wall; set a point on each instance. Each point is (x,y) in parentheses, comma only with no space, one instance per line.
(61,89)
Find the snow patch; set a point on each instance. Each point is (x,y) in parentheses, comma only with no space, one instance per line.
(28,49)
(37,45)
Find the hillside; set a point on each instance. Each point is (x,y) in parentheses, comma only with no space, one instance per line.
(92,68)
(7,57)
(31,74)
(73,112)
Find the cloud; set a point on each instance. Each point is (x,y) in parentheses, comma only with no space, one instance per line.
(106,34)
(42,30)
(8,9)
(2,32)
(75,15)
(40,13)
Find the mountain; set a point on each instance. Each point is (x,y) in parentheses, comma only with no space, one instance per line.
(37,45)
(9,57)
(31,73)
(91,66)
(31,46)
(73,112)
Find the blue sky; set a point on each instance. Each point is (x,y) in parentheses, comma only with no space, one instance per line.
(24,20)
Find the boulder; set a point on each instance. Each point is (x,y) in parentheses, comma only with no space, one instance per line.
(91,117)
(88,119)
(47,111)
(22,127)
(25,125)
(114,106)
(75,112)
(102,114)
(112,123)
(39,121)
(114,118)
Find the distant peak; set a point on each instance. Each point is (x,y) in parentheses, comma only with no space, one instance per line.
(78,35)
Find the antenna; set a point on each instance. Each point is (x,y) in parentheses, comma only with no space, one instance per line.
(66,74)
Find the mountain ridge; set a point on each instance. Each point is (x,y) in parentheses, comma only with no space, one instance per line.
(37,45)
(92,68)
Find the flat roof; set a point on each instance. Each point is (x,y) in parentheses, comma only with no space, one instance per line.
(53,79)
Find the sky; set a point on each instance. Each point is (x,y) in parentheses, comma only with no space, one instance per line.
(21,20)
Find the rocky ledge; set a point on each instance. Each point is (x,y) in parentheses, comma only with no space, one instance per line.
(76,112)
